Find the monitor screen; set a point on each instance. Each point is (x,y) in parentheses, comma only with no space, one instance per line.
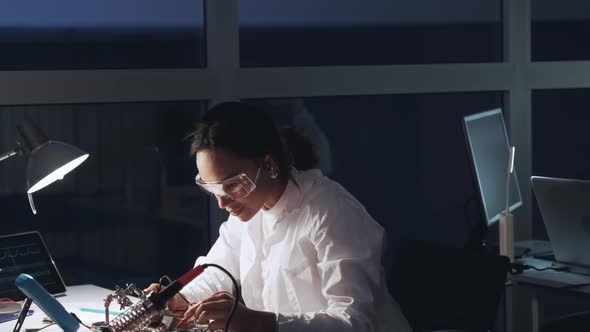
(488,144)
(26,253)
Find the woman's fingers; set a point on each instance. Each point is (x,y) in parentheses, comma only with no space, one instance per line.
(207,316)
(177,303)
(217,324)
(190,312)
(219,296)
(212,310)
(152,288)
(203,312)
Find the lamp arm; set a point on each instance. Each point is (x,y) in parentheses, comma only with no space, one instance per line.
(8,154)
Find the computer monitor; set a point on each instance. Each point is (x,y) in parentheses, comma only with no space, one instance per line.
(489,149)
(26,253)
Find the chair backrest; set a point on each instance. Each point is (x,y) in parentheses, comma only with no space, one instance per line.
(440,287)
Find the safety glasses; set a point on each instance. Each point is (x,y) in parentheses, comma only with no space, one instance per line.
(236,187)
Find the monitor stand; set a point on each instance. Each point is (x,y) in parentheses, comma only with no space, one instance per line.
(506,233)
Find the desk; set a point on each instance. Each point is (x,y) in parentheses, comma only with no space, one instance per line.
(526,285)
(77,297)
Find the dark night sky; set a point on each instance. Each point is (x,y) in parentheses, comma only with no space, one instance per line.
(138,13)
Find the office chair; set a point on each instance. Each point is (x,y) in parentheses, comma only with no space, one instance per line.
(443,288)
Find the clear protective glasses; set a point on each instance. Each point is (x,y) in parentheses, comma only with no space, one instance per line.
(236,187)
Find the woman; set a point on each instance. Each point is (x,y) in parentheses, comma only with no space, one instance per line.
(306,252)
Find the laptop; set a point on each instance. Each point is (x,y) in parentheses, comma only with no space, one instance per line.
(27,253)
(565,208)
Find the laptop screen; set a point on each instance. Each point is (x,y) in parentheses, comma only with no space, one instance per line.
(26,253)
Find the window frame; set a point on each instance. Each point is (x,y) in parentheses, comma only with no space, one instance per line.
(223,79)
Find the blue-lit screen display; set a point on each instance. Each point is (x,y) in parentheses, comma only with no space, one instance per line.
(488,143)
(26,253)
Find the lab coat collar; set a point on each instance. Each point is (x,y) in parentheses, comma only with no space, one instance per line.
(292,197)
(289,203)
(276,211)
(286,201)
(304,180)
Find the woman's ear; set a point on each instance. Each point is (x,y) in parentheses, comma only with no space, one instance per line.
(268,163)
(271,167)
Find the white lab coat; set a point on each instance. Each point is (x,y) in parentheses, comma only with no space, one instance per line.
(318,268)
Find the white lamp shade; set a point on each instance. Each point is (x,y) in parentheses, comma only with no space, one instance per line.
(50,162)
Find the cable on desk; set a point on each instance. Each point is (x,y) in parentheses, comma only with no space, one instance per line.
(517,268)
(39,329)
(80,321)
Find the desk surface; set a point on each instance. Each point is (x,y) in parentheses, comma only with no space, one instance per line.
(550,278)
(76,298)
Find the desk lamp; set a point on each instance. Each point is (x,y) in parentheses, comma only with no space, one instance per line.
(49,160)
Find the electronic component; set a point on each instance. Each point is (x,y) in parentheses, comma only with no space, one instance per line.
(140,315)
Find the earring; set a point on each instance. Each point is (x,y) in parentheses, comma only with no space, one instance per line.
(274,173)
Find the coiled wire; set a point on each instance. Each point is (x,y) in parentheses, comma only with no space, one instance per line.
(133,319)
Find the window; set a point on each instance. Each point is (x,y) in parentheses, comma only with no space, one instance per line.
(559,30)
(352,32)
(68,34)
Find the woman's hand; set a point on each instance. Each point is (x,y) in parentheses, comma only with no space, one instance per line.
(175,304)
(215,311)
